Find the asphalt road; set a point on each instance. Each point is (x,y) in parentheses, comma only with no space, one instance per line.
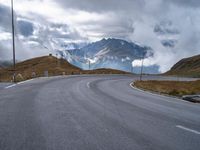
(94,113)
(3,85)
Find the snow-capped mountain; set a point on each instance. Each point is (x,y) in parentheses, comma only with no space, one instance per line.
(108,53)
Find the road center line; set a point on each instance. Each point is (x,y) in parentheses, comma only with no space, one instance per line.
(188,129)
(88,84)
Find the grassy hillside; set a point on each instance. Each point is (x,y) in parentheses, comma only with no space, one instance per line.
(37,66)
(175,88)
(186,67)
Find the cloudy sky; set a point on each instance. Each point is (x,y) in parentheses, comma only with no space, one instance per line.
(170,27)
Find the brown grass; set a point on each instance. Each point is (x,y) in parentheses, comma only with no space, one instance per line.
(189,67)
(175,88)
(38,65)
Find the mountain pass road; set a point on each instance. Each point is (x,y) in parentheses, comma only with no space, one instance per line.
(94,112)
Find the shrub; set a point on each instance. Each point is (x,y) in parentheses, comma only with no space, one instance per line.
(174,92)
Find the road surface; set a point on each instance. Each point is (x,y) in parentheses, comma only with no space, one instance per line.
(94,113)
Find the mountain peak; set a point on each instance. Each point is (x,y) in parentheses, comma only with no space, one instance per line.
(108,53)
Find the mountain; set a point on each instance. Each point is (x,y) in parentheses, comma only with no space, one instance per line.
(108,53)
(38,67)
(187,67)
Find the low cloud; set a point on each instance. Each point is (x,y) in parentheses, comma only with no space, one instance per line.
(145,62)
(171,28)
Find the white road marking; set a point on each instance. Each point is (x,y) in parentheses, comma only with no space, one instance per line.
(188,129)
(149,92)
(10,86)
(88,84)
(25,81)
(131,85)
(162,96)
(13,85)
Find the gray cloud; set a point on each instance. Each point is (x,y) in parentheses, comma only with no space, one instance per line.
(102,5)
(165,27)
(169,43)
(187,3)
(5,54)
(170,27)
(5,16)
(26,28)
(35,35)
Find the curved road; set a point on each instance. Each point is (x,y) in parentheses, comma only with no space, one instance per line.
(94,113)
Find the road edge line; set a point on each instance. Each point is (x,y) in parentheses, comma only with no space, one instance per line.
(188,129)
(157,94)
(13,85)
(10,86)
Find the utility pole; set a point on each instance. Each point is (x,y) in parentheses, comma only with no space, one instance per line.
(141,73)
(13,42)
